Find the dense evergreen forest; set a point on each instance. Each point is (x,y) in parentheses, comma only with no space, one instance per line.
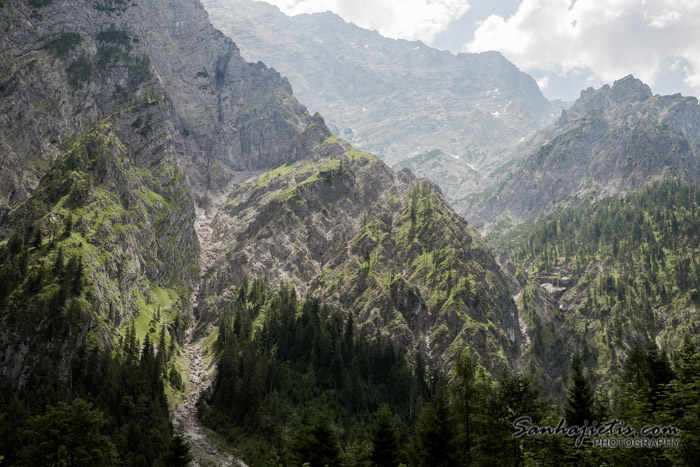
(298,383)
(80,393)
(626,268)
(95,403)
(652,233)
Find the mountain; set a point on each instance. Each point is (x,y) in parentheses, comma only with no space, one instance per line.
(611,141)
(121,122)
(395,98)
(120,132)
(64,72)
(162,197)
(599,217)
(148,172)
(351,232)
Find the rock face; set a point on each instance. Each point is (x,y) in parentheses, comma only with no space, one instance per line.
(394,98)
(65,65)
(612,140)
(129,227)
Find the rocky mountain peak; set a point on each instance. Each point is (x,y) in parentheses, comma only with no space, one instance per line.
(630,89)
(625,92)
(612,140)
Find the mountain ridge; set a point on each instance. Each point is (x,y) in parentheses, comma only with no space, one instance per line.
(394,98)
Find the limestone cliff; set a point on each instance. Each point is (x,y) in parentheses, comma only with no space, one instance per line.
(66,65)
(118,119)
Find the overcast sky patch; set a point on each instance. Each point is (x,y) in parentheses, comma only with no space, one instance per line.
(607,38)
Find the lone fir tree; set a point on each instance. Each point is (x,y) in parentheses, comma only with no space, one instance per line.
(385,445)
(579,398)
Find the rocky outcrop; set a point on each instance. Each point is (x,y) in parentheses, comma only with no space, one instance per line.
(129,228)
(369,241)
(66,65)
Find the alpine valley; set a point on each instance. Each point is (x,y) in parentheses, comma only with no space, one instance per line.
(195,270)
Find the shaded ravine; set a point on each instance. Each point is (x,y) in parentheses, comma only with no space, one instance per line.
(185,419)
(203,450)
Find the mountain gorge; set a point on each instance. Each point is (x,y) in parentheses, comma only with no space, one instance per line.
(150,169)
(136,140)
(151,179)
(167,207)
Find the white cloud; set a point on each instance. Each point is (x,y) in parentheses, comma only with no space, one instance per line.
(406,19)
(663,19)
(543,82)
(604,38)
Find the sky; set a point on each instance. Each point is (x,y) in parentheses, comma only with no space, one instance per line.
(566,45)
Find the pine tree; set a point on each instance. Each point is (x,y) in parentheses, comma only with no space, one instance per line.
(435,434)
(178,454)
(37,238)
(579,398)
(68,225)
(131,344)
(385,446)
(469,392)
(162,355)
(69,434)
(348,336)
(147,356)
(58,262)
(316,442)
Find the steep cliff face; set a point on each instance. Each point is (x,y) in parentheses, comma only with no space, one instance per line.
(68,64)
(394,98)
(229,115)
(612,140)
(101,242)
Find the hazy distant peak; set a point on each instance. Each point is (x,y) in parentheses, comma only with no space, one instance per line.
(630,89)
(624,92)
